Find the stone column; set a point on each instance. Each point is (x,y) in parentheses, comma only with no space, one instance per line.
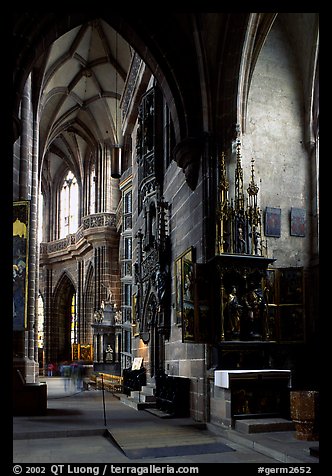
(48,334)
(24,341)
(95,347)
(81,338)
(100,348)
(33,374)
(96,258)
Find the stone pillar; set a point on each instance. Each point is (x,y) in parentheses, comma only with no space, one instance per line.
(95,348)
(101,348)
(24,348)
(97,297)
(48,334)
(80,306)
(33,375)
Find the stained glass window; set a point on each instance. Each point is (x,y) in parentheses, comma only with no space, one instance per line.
(69,205)
(92,204)
(74,323)
(40,322)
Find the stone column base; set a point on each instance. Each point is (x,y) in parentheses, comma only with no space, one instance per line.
(29,369)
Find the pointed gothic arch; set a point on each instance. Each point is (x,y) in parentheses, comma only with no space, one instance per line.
(259,25)
(60,322)
(151,334)
(88,307)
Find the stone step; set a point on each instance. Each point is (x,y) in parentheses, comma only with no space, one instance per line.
(148,389)
(158,413)
(142,396)
(130,402)
(280,449)
(262,425)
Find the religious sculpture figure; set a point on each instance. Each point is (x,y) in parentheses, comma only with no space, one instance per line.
(109,293)
(160,284)
(109,353)
(241,241)
(118,317)
(189,286)
(266,324)
(255,305)
(98,316)
(255,235)
(234,312)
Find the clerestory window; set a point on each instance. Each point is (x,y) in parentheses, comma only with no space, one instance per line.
(69,205)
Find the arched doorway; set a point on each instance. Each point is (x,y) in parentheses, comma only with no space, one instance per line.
(41,327)
(86,333)
(156,354)
(152,334)
(63,322)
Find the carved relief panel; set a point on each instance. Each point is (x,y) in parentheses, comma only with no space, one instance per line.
(151,268)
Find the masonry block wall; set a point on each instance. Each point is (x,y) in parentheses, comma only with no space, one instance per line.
(275,138)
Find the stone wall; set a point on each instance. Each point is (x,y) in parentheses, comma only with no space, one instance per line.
(275,138)
(220,405)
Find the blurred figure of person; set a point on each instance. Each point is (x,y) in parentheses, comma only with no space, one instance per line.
(50,369)
(76,374)
(79,381)
(79,375)
(65,372)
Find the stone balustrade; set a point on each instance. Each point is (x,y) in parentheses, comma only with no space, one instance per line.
(92,222)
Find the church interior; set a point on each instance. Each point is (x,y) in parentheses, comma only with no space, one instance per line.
(166,206)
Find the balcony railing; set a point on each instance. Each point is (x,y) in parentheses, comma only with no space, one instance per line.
(74,239)
(99,219)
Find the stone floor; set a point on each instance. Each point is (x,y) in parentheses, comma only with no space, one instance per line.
(92,427)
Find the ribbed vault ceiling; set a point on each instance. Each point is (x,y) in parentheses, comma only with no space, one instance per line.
(84,77)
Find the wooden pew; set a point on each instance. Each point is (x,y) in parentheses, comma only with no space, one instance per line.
(173,395)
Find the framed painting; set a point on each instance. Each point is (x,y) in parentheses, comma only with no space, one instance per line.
(273,222)
(75,351)
(188,304)
(291,324)
(284,294)
(269,286)
(188,280)
(271,323)
(291,285)
(179,281)
(178,290)
(86,352)
(21,227)
(297,222)
(188,322)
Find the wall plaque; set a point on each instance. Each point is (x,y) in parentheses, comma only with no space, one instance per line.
(297,222)
(273,222)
